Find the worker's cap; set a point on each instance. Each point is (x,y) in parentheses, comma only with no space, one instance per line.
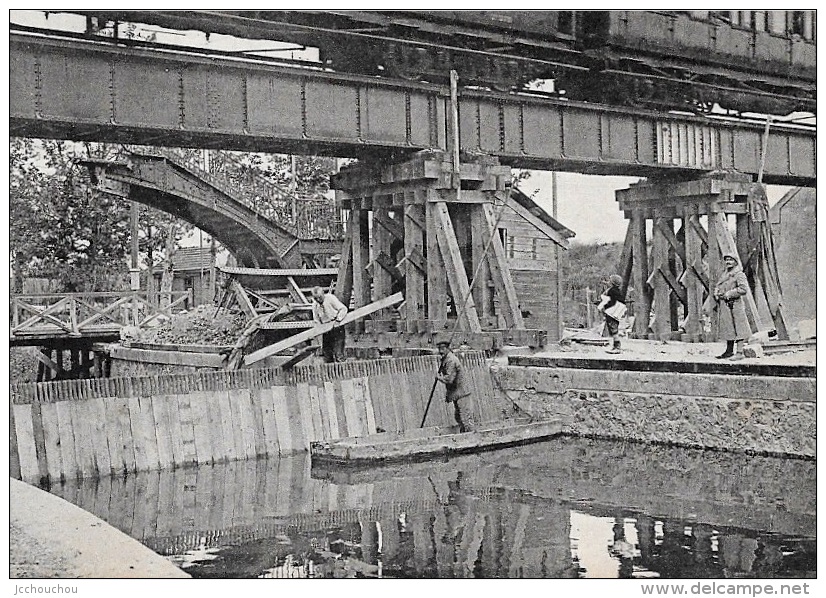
(442,340)
(615,279)
(729,256)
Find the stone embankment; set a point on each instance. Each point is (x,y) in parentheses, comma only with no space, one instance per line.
(758,406)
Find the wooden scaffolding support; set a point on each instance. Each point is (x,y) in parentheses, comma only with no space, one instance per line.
(673,279)
(426,227)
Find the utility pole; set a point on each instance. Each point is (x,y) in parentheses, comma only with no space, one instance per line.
(134,270)
(557,250)
(293,190)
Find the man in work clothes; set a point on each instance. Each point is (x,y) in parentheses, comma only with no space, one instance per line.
(728,293)
(327,308)
(452,375)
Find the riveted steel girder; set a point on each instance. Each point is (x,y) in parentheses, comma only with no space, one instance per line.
(86,90)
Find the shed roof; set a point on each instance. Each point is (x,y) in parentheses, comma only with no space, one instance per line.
(547,224)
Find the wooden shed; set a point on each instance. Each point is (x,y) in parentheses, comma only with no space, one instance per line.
(532,240)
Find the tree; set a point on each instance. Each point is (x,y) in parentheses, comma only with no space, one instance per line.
(61,228)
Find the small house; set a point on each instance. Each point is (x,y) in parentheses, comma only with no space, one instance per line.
(532,240)
(193,268)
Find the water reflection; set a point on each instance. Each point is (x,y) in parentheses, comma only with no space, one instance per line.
(565,508)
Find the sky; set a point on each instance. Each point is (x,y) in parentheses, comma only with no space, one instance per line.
(586,203)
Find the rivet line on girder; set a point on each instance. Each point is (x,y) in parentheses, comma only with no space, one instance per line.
(38,86)
(358,113)
(181,103)
(501,108)
(245,101)
(112,108)
(304,107)
(431,114)
(408,127)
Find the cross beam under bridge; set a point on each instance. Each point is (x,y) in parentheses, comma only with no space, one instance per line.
(99,91)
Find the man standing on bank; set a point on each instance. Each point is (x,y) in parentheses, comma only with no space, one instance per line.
(452,375)
(327,308)
(731,312)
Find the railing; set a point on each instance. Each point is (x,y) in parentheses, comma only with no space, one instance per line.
(86,314)
(305,217)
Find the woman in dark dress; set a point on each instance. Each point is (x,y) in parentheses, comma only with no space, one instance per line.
(615,296)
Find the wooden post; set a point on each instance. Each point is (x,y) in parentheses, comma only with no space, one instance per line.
(589,317)
(344,280)
(744,242)
(414,224)
(482,295)
(98,365)
(360,255)
(460,288)
(674,301)
(381,244)
(74,363)
(662,302)
(453,131)
(627,259)
(713,259)
(642,302)
(436,275)
(508,301)
(693,264)
(59,363)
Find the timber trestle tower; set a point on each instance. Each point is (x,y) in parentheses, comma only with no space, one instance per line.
(427,227)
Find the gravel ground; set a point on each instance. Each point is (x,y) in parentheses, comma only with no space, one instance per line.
(635,349)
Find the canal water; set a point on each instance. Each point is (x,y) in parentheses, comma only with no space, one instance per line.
(567,508)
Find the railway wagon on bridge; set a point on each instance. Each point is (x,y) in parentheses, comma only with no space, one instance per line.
(761,61)
(753,61)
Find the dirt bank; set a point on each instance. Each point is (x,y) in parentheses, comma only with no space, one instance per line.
(51,538)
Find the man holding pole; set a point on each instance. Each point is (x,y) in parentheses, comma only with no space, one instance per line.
(452,375)
(328,308)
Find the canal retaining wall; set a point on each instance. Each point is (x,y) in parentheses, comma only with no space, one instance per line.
(742,412)
(89,428)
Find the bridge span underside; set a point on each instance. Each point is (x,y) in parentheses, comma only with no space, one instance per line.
(84,90)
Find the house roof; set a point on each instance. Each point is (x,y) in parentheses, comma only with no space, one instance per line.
(555,230)
(192,259)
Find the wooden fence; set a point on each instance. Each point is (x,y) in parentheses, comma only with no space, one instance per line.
(97,427)
(86,314)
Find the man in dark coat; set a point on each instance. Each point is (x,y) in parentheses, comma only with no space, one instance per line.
(731,311)
(452,375)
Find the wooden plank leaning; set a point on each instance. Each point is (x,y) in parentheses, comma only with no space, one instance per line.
(354,315)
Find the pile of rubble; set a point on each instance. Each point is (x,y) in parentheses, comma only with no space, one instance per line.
(198,326)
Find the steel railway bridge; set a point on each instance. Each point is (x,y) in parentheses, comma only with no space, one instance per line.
(77,88)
